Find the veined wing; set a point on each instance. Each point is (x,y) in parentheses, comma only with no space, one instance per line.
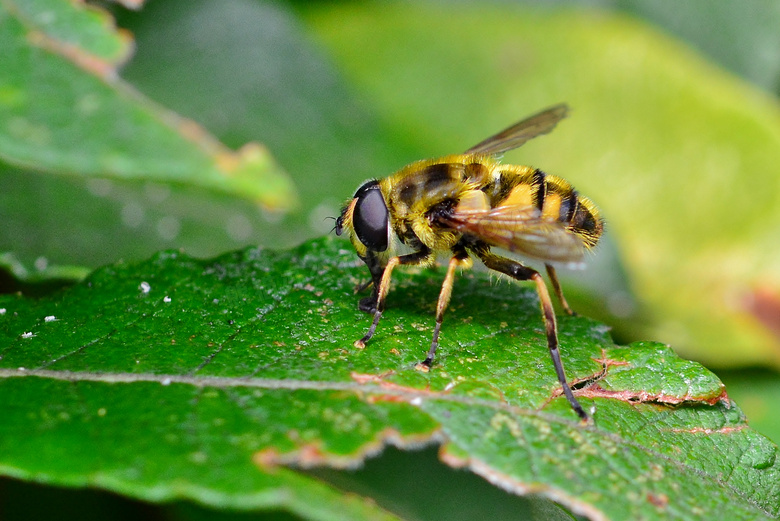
(521,230)
(519,133)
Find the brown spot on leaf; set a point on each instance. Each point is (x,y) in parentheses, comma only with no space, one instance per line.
(306,455)
(641,396)
(608,362)
(365,378)
(267,459)
(395,392)
(312,454)
(722,430)
(659,500)
(376,398)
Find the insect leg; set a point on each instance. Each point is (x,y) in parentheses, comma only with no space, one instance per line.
(418,257)
(557,288)
(519,272)
(376,268)
(444,299)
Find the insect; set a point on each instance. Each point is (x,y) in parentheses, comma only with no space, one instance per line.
(465,205)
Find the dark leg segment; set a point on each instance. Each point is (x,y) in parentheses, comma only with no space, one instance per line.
(375,267)
(519,272)
(383,287)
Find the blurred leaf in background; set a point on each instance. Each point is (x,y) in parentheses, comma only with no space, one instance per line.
(274,89)
(65,111)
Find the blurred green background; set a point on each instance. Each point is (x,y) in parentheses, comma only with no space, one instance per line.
(674,133)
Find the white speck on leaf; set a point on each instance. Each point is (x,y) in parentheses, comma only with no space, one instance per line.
(145,287)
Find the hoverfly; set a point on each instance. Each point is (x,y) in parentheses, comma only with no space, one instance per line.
(465,205)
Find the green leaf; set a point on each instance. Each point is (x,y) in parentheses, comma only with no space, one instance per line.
(681,156)
(220,380)
(64,110)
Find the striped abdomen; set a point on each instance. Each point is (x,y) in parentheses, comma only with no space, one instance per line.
(554,197)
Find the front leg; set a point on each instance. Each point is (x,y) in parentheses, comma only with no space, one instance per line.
(422,256)
(375,267)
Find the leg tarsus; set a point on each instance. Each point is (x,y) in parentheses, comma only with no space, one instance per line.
(425,365)
(362,342)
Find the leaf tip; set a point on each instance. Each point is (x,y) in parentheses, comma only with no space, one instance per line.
(254,167)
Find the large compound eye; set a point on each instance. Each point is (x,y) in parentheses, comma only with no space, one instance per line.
(370,217)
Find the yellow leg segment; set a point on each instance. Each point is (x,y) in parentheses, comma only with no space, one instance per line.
(441,306)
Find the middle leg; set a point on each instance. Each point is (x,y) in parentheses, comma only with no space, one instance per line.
(459,257)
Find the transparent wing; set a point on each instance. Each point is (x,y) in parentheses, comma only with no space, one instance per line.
(519,133)
(521,230)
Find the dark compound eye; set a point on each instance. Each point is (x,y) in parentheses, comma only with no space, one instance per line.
(370,217)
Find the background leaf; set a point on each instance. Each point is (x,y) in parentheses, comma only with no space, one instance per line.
(737,38)
(245,364)
(66,112)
